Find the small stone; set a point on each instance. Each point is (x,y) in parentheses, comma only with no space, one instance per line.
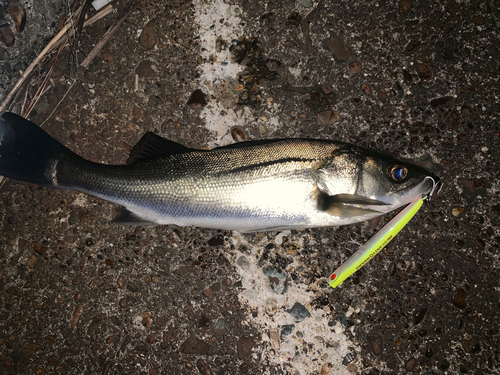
(243,262)
(182,270)
(278,279)
(375,343)
(121,281)
(355,67)
(456,211)
(132,287)
(245,345)
(137,114)
(287,330)
(352,368)
(424,72)
(459,298)
(238,134)
(197,100)
(107,57)
(146,319)
(367,90)
(262,129)
(18,15)
(146,68)
(195,346)
(76,315)
(410,364)
(148,35)
(203,367)
(419,315)
(471,346)
(7,35)
(208,293)
(298,312)
(216,241)
(328,117)
(271,306)
(340,51)
(405,6)
(305,3)
(327,87)
(275,339)
(220,327)
(31,262)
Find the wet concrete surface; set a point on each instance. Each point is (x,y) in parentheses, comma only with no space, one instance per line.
(412,78)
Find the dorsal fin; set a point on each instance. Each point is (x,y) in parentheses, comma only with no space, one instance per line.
(152,146)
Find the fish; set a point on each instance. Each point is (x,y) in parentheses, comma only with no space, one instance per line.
(261,185)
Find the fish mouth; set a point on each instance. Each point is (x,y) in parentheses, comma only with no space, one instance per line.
(426,189)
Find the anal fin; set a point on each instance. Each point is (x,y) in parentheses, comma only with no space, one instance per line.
(122,215)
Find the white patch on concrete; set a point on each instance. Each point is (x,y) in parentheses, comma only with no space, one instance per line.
(329,344)
(219,81)
(218,72)
(81,200)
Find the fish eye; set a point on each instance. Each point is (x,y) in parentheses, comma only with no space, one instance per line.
(398,172)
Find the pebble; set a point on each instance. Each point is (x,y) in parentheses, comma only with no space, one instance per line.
(76,315)
(355,67)
(203,367)
(7,36)
(148,35)
(305,3)
(275,339)
(262,129)
(375,343)
(31,262)
(298,312)
(238,134)
(471,346)
(327,87)
(197,100)
(410,364)
(137,114)
(419,315)
(243,262)
(107,57)
(328,117)
(459,298)
(271,306)
(220,327)
(278,279)
(287,330)
(244,347)
(146,68)
(367,90)
(340,51)
(405,6)
(424,72)
(18,15)
(456,211)
(194,345)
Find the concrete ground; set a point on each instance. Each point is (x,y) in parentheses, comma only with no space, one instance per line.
(418,79)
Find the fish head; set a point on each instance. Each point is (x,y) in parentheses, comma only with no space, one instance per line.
(364,183)
(392,181)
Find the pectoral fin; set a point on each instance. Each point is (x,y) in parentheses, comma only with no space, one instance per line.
(347,205)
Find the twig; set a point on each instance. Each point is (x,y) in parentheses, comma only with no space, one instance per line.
(128,9)
(54,43)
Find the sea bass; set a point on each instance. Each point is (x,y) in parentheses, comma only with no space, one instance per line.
(249,186)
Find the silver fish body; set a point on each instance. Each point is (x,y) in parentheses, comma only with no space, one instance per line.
(252,186)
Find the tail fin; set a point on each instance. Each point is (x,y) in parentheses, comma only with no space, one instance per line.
(27,153)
